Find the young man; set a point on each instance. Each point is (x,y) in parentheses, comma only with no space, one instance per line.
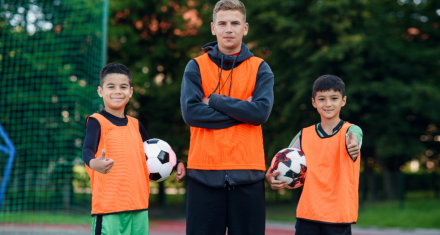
(227,93)
(115,159)
(329,200)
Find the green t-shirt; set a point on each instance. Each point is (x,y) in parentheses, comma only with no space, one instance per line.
(296,141)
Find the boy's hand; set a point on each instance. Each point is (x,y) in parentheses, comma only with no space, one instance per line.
(180,172)
(102,164)
(249,99)
(352,145)
(273,182)
(205,100)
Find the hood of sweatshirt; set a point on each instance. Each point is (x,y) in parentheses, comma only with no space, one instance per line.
(226,62)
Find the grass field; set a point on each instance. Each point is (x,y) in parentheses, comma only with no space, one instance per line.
(414,214)
(418,211)
(419,214)
(45,218)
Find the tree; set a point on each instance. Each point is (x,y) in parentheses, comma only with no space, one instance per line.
(386,52)
(49,65)
(156,39)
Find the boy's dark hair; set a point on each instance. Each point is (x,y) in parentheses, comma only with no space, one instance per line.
(224,5)
(328,82)
(114,68)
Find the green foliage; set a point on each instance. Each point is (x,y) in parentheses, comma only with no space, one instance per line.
(50,57)
(387,52)
(156,39)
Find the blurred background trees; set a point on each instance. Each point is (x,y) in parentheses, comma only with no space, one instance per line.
(50,58)
(387,52)
(51,51)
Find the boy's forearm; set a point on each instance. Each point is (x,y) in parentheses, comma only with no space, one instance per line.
(91,140)
(87,156)
(295,143)
(358,132)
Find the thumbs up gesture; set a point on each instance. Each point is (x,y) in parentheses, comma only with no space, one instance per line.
(101,163)
(352,143)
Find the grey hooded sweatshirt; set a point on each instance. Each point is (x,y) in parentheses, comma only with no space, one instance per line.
(224,111)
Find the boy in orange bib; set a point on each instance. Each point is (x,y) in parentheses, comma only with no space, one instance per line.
(115,159)
(329,200)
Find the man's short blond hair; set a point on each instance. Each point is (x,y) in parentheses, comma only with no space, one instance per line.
(224,5)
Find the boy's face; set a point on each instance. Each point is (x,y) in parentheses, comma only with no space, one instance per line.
(116,91)
(329,104)
(229,28)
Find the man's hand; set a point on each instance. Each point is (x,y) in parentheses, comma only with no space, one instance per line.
(101,164)
(273,182)
(352,145)
(249,99)
(180,172)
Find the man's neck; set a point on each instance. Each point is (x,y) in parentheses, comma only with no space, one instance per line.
(234,52)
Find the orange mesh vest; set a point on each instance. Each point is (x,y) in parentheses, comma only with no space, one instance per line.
(330,192)
(237,147)
(126,187)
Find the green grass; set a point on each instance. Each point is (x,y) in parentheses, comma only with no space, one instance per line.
(418,211)
(412,214)
(46,218)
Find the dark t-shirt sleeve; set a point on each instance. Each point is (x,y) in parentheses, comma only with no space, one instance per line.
(91,140)
(143,132)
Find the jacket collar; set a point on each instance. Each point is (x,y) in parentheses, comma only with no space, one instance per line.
(226,61)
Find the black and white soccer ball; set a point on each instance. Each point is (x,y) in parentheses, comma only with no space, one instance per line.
(291,163)
(161,159)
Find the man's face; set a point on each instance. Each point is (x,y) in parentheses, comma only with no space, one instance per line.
(229,28)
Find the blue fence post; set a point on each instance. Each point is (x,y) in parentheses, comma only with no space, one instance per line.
(10,150)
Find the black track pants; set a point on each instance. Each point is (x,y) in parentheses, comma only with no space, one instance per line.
(304,227)
(239,210)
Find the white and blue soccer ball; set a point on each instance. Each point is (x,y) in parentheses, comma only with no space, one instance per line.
(291,163)
(161,159)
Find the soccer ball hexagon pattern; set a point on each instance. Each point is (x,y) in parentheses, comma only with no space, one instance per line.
(161,159)
(291,163)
